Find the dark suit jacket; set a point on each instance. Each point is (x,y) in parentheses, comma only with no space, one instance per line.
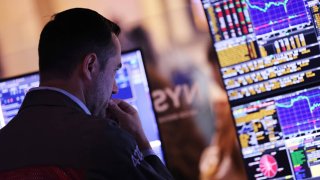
(51,129)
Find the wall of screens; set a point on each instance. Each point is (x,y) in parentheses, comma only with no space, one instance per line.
(269,58)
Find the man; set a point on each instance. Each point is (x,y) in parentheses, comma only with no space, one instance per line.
(70,124)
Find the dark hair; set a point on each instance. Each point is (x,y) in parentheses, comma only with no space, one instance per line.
(70,36)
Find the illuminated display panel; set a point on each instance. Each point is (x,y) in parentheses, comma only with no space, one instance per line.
(133,88)
(268,52)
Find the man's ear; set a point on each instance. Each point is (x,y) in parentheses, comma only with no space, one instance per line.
(90,66)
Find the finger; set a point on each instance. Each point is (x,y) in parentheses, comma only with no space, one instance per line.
(114,110)
(120,103)
(117,101)
(127,107)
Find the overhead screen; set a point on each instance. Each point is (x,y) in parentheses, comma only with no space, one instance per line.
(269,58)
(133,88)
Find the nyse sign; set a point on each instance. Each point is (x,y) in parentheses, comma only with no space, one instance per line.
(177,102)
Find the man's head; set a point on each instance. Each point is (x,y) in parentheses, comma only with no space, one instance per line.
(79,51)
(69,37)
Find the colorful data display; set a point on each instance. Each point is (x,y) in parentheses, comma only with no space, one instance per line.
(269,57)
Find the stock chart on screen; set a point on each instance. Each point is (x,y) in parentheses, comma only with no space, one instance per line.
(269,57)
(268,16)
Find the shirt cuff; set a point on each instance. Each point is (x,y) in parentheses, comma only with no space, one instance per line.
(148,152)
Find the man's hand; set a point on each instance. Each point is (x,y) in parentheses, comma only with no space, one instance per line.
(129,120)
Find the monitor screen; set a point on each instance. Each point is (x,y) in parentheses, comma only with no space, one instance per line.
(268,52)
(133,88)
(12,93)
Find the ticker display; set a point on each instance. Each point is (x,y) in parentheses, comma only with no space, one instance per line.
(269,57)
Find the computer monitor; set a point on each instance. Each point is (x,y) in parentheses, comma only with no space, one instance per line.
(268,52)
(12,93)
(133,88)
